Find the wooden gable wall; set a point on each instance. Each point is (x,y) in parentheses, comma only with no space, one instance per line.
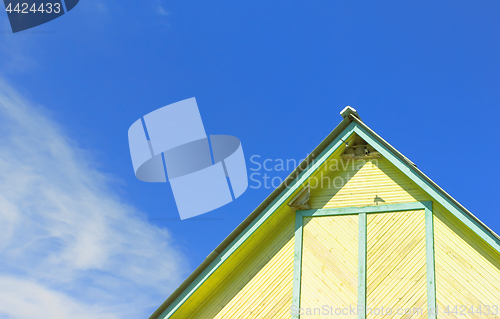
(257,281)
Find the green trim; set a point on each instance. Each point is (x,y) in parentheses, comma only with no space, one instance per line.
(436,194)
(297,264)
(364,209)
(256,223)
(361,307)
(430,262)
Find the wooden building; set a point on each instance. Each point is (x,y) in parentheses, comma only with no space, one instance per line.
(356,231)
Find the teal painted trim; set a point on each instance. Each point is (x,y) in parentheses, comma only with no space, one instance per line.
(430,262)
(297,265)
(362,245)
(436,194)
(257,222)
(361,307)
(365,209)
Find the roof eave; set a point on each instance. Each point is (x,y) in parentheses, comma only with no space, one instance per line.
(423,176)
(247,221)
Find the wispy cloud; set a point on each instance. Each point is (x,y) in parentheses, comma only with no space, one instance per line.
(70,248)
(161,11)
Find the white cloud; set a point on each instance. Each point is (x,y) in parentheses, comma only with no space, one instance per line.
(69,247)
(161,11)
(26,299)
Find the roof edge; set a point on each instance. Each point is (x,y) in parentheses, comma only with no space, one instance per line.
(350,117)
(427,179)
(247,221)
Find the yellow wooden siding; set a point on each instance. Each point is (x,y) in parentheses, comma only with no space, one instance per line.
(396,265)
(256,280)
(330,265)
(261,287)
(367,182)
(467,269)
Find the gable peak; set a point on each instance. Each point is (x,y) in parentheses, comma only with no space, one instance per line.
(348,110)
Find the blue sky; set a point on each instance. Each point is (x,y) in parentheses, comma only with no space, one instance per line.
(84,238)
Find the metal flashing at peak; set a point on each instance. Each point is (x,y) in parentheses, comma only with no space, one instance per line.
(349,111)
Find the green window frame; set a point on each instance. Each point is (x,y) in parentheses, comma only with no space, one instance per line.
(362,253)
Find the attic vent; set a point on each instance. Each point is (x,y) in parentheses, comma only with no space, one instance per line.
(359,149)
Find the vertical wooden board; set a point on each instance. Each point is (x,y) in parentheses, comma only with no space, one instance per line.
(330,266)
(396,265)
(430,262)
(362,245)
(467,271)
(362,183)
(297,264)
(261,287)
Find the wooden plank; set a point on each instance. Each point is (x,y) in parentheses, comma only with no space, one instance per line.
(396,264)
(297,264)
(363,186)
(403,250)
(264,282)
(465,273)
(364,209)
(330,265)
(430,261)
(361,307)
